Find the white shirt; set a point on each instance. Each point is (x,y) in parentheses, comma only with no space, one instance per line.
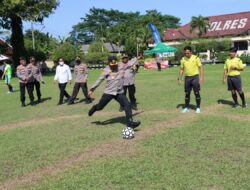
(63,74)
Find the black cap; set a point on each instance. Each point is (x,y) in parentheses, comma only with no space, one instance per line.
(111,58)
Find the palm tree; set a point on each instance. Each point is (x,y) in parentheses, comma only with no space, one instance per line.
(199,25)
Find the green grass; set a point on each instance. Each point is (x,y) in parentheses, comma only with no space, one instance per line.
(205,152)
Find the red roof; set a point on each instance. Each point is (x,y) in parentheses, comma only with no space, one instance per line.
(8,50)
(222,25)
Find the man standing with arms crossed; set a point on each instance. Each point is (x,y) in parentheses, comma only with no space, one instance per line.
(194,76)
(26,79)
(232,68)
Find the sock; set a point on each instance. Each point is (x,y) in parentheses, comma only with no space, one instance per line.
(242,96)
(234,96)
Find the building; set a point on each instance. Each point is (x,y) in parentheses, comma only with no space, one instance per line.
(234,26)
(6,48)
(112,48)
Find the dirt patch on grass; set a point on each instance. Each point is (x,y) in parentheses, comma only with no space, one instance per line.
(117,147)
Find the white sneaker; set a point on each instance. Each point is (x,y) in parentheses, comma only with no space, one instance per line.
(185,110)
(198,110)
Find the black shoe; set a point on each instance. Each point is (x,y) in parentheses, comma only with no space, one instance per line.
(32,103)
(244,105)
(92,111)
(23,104)
(70,102)
(121,109)
(134,124)
(39,100)
(88,101)
(59,103)
(134,107)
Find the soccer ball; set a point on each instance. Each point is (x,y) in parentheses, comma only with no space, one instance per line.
(128,133)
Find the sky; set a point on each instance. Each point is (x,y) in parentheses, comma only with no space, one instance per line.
(70,12)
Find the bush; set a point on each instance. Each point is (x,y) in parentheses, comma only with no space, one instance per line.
(96,58)
(67,51)
(221,56)
(245,58)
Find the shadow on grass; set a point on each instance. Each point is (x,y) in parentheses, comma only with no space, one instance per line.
(121,120)
(41,101)
(225,102)
(191,106)
(83,100)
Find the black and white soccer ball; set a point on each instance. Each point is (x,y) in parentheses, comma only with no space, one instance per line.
(128,133)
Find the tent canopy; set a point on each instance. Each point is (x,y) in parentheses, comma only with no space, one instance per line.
(3,57)
(160,48)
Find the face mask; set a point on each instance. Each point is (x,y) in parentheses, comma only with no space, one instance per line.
(113,67)
(61,63)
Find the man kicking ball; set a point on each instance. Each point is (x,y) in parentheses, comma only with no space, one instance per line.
(113,90)
(192,67)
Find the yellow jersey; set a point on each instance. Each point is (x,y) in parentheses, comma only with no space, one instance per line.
(191,65)
(235,62)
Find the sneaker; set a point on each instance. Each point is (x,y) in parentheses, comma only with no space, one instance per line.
(59,103)
(23,104)
(236,106)
(121,109)
(88,101)
(134,107)
(198,110)
(244,105)
(32,104)
(92,111)
(9,92)
(185,110)
(70,102)
(134,124)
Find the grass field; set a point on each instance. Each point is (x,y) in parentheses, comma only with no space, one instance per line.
(60,147)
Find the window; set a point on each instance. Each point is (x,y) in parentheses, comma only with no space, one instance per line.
(241,45)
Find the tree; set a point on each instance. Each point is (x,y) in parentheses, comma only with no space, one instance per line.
(199,25)
(65,50)
(12,14)
(119,27)
(96,53)
(44,43)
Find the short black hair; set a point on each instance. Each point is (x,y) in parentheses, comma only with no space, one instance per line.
(233,49)
(32,57)
(22,58)
(188,48)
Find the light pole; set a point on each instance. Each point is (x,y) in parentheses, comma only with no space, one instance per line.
(33,36)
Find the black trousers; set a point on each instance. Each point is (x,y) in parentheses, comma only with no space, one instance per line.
(158,65)
(131,93)
(76,89)
(123,101)
(30,87)
(38,92)
(62,87)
